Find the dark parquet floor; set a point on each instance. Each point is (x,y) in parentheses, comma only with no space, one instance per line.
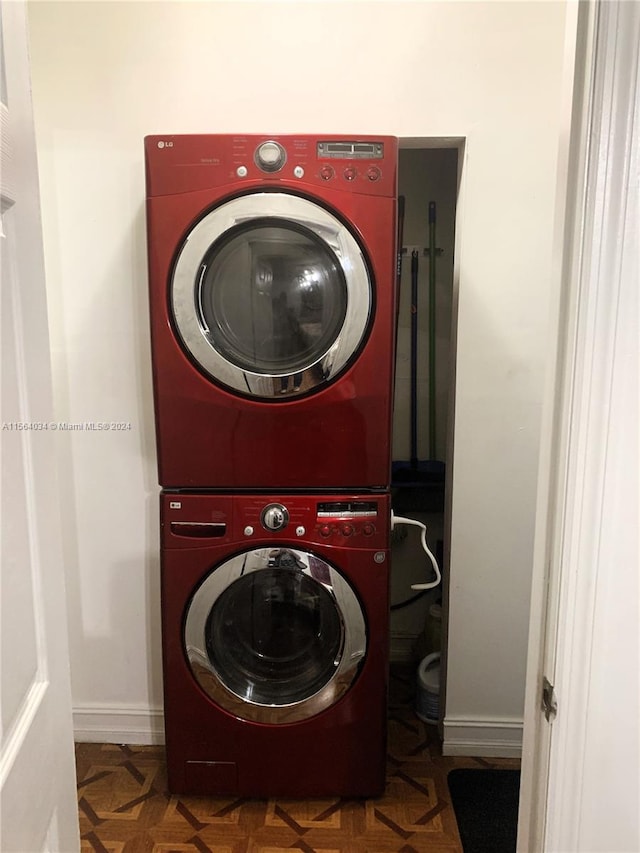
(125,807)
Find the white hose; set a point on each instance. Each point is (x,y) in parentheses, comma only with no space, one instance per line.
(396,519)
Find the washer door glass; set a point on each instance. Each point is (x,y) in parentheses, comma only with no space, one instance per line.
(275,635)
(271,295)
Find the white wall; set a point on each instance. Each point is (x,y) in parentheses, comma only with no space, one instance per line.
(106,74)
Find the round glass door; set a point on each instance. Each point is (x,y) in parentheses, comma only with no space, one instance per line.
(275,635)
(271,295)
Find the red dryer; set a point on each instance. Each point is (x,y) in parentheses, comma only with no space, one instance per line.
(272,278)
(275,643)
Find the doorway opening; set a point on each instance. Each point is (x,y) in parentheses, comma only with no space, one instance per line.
(428,183)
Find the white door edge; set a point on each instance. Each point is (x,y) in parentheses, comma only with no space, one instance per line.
(591,431)
(569,213)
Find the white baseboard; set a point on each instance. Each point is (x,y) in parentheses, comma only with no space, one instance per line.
(99,724)
(462,736)
(482,738)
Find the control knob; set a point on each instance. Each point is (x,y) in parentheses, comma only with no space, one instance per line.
(274,517)
(270,156)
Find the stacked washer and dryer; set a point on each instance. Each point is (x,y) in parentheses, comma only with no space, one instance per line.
(272,299)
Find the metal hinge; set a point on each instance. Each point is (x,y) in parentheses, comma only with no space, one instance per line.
(549,700)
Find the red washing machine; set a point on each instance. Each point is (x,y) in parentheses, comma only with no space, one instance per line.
(272,278)
(275,643)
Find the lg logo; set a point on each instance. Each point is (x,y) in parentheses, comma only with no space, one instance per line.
(165,144)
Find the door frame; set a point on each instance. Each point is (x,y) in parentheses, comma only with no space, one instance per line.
(594,276)
(38,803)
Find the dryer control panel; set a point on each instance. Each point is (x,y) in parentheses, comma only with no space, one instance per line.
(185,163)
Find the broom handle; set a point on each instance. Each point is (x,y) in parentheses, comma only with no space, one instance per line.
(432,330)
(414,359)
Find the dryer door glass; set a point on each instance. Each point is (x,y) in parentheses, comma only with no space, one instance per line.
(275,635)
(271,295)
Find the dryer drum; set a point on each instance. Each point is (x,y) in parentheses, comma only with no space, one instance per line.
(275,635)
(272,297)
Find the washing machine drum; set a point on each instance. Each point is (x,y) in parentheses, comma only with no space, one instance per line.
(275,635)
(271,294)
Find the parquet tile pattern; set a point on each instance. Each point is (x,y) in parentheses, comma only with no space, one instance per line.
(125,807)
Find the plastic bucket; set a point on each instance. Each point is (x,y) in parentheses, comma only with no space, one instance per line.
(428,689)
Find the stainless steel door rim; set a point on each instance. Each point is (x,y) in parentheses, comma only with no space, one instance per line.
(240,676)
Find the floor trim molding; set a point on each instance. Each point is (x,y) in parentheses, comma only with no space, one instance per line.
(115,724)
(484,738)
(135,725)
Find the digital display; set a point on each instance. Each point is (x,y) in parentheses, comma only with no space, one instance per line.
(352,509)
(351,150)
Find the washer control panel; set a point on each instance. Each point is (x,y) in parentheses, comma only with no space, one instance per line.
(347,518)
(349,521)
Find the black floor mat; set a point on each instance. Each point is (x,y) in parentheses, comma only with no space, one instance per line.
(486,807)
